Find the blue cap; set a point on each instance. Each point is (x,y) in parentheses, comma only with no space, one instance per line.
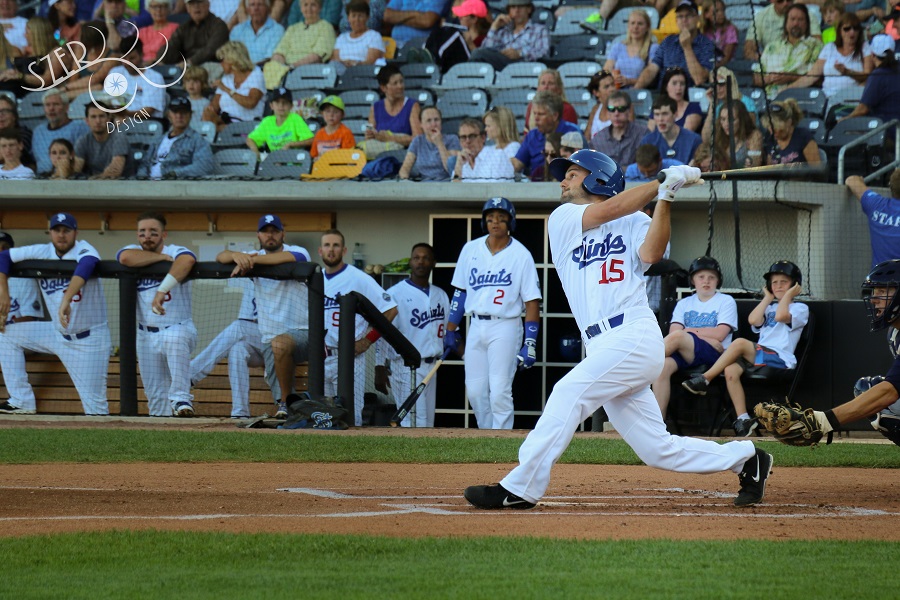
(63,220)
(266,220)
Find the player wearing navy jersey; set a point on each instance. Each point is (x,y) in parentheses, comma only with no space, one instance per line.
(601,245)
(78,332)
(495,279)
(282,307)
(341,278)
(166,334)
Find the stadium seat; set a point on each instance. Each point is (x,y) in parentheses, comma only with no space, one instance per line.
(358,103)
(357,127)
(543,16)
(235,162)
(586,47)
(816,128)
(289,163)
(170,73)
(811,100)
(235,134)
(581,100)
(145,132)
(859,160)
(207,129)
(519,76)
(642,101)
(618,21)
(467,75)
(77,104)
(338,164)
(698,95)
(311,77)
(578,73)
(463,103)
(358,77)
(423,97)
(418,76)
(569,22)
(31,106)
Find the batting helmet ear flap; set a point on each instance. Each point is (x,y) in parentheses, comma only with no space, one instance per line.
(605,177)
(499,203)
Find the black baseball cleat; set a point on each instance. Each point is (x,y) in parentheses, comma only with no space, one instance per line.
(696,385)
(753,479)
(744,427)
(494,496)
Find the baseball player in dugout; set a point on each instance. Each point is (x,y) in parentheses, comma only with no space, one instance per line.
(77,333)
(166,334)
(495,279)
(601,244)
(341,278)
(283,308)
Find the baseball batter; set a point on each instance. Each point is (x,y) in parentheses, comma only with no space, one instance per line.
(242,344)
(341,278)
(422,317)
(78,332)
(283,307)
(166,334)
(601,245)
(495,278)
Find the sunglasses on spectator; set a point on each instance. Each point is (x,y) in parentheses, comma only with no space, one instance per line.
(470,136)
(549,154)
(615,109)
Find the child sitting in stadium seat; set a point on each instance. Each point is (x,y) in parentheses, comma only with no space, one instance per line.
(335,134)
(283,129)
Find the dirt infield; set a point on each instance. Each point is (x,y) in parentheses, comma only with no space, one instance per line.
(585,502)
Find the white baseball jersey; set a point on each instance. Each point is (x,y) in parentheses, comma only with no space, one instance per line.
(499,284)
(721,309)
(350,279)
(283,304)
(88,307)
(177,302)
(421,317)
(24,299)
(248,310)
(780,337)
(600,269)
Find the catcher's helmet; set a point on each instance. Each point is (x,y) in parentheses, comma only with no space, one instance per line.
(885,275)
(606,177)
(499,203)
(703,263)
(864,384)
(784,267)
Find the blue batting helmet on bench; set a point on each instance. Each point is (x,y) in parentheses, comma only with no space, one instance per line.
(605,179)
(499,203)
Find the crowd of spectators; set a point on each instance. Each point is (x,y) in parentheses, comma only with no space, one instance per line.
(232,62)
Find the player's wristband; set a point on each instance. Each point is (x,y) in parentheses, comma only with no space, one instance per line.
(531,331)
(167,284)
(457,306)
(373,336)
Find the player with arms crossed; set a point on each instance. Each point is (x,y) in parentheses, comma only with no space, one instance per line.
(601,245)
(495,278)
(166,333)
(78,333)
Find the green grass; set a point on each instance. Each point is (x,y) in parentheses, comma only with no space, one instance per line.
(17,446)
(218,565)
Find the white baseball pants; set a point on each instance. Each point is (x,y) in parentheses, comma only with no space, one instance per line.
(490,361)
(359,382)
(165,361)
(241,343)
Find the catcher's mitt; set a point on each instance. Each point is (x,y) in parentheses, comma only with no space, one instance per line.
(790,425)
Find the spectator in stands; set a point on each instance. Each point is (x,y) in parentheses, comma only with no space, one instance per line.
(239,94)
(628,57)
(62,161)
(789,57)
(723,77)
(414,18)
(8,56)
(787,143)
(331,12)
(394,119)
(689,49)
(146,88)
(198,38)
(430,151)
(768,26)
(500,128)
(182,153)
(58,125)
(259,32)
(43,60)
(334,135)
(9,119)
(12,25)
(889,18)
(862,9)
(92,76)
(601,85)
(196,84)
(551,81)
(832,10)
(474,16)
(230,11)
(608,7)
(552,144)
(113,12)
(748,142)
(879,97)
(689,115)
(673,141)
(101,154)
(11,153)
(620,140)
(547,110)
(514,37)
(477,162)
(882,213)
(63,19)
(360,45)
(842,64)
(303,44)
(376,15)
(715,25)
(282,129)
(648,163)
(155,36)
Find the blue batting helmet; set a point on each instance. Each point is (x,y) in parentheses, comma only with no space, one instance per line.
(605,179)
(499,203)
(885,275)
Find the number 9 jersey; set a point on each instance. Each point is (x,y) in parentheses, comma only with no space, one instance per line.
(496,285)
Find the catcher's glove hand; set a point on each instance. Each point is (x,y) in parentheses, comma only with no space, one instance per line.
(793,426)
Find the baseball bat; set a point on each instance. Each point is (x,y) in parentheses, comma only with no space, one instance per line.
(408,403)
(763,172)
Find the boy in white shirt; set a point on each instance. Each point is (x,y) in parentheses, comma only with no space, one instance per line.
(11,153)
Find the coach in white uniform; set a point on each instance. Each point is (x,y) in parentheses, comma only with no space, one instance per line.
(422,311)
(78,333)
(495,278)
(241,343)
(166,334)
(341,278)
(601,245)
(283,307)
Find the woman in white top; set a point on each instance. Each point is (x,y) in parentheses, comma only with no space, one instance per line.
(360,45)
(844,63)
(239,94)
(500,128)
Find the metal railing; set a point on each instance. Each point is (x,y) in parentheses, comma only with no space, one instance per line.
(862,139)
